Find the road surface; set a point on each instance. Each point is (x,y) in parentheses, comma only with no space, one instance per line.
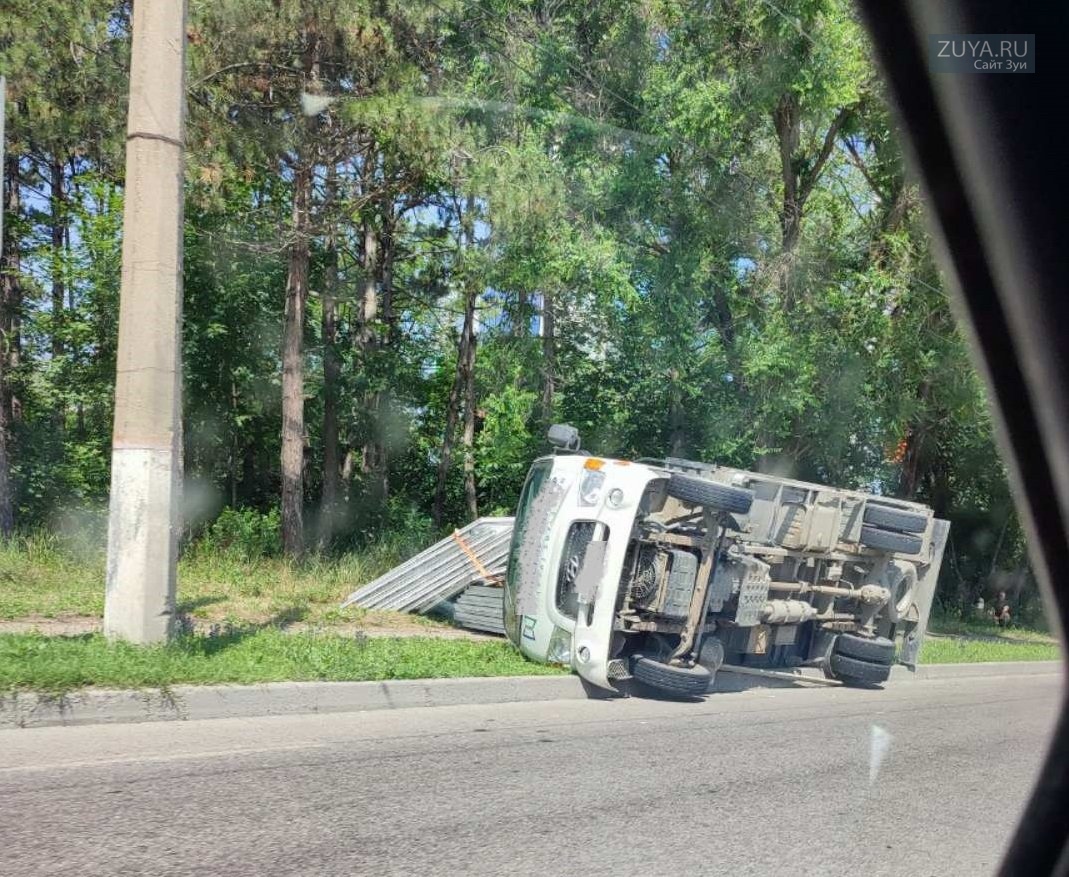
(759,782)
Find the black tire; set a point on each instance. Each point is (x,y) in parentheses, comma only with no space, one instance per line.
(877,650)
(851,671)
(894,519)
(885,540)
(712,494)
(676,681)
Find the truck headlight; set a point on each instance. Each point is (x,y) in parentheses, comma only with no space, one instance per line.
(590,486)
(560,647)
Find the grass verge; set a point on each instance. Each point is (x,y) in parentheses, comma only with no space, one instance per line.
(987,630)
(44,576)
(59,664)
(960,641)
(964,650)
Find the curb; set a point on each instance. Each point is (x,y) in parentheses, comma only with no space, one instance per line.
(186,702)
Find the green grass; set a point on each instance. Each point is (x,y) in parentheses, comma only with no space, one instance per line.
(43,575)
(987,630)
(59,664)
(961,641)
(965,650)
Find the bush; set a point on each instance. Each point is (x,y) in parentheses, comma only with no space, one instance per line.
(245,533)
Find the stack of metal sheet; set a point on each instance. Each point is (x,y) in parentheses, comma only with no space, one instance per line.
(424,582)
(481,607)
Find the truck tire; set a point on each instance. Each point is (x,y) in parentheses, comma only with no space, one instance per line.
(886,540)
(713,494)
(851,671)
(894,519)
(875,650)
(677,681)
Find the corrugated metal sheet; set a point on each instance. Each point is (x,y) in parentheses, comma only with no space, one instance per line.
(481,608)
(441,571)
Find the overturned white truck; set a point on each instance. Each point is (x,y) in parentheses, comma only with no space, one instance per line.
(661,571)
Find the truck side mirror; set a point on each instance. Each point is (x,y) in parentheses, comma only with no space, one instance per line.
(564,436)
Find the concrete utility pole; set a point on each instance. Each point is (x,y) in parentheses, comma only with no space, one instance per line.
(146,455)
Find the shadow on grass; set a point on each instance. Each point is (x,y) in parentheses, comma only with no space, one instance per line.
(283,618)
(222,636)
(184,607)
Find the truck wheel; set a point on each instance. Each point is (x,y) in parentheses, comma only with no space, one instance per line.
(713,494)
(877,650)
(894,519)
(851,671)
(885,540)
(678,681)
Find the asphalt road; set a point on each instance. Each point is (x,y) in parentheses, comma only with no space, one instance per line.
(759,782)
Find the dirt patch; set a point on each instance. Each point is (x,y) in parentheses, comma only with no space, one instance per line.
(76,625)
(63,625)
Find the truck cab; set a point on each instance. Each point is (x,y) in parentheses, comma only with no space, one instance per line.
(656,573)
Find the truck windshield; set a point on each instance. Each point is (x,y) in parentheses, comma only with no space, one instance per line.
(536,479)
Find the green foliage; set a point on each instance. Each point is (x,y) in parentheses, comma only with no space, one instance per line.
(505,447)
(244,533)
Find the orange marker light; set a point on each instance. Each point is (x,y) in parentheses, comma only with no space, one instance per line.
(594,464)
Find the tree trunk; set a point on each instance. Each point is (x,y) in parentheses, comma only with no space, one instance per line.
(912,453)
(57,229)
(7,499)
(468,436)
(58,222)
(389,256)
(993,567)
(235,445)
(293,366)
(452,414)
(10,294)
(719,310)
(384,400)
(331,374)
(787,120)
(463,389)
(369,293)
(549,357)
(372,455)
(521,320)
(11,289)
(677,425)
(292,456)
(799,174)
